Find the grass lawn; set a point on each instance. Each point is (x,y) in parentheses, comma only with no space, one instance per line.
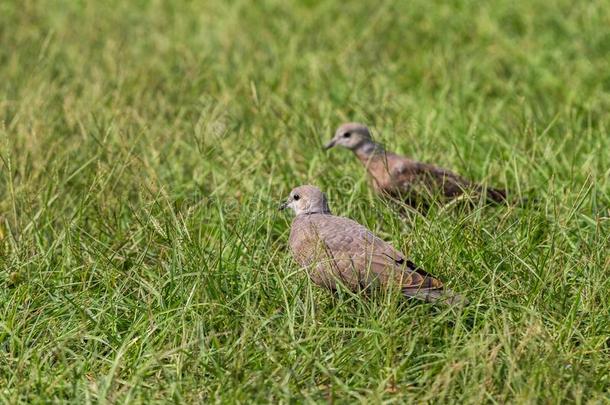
(146,145)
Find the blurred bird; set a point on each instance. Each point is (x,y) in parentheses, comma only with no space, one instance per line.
(339,250)
(416,183)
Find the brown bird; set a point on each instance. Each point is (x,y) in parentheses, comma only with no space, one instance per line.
(416,183)
(338,250)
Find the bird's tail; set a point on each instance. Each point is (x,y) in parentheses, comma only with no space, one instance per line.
(500,196)
(441,295)
(496,195)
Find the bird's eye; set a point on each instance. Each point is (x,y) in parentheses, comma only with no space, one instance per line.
(347,134)
(296,197)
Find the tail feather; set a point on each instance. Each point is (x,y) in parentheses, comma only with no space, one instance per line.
(443,296)
(496,195)
(501,196)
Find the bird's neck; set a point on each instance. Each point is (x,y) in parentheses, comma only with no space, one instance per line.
(312,212)
(369,150)
(317,208)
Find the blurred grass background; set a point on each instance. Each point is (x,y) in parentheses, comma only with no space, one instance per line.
(145,145)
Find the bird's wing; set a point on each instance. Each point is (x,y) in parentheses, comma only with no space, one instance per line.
(421,177)
(361,259)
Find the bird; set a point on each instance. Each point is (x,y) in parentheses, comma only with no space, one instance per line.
(337,250)
(418,184)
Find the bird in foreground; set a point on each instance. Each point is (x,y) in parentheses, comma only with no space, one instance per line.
(415,183)
(338,250)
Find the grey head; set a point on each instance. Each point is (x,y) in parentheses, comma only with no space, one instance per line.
(351,136)
(305,200)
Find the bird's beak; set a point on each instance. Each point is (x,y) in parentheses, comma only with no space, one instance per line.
(330,144)
(283,206)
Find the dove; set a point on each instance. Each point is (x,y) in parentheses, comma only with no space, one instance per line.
(416,183)
(337,250)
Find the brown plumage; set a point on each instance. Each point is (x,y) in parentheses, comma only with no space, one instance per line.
(416,183)
(338,250)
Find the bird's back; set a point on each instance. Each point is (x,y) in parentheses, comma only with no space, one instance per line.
(420,183)
(342,248)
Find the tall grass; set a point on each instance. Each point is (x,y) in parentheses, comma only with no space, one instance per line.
(145,145)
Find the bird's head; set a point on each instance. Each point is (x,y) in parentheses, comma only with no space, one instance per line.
(351,136)
(307,200)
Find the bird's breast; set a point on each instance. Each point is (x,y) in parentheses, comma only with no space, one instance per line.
(302,242)
(379,174)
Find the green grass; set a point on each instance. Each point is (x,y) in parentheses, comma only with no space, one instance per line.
(145,146)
